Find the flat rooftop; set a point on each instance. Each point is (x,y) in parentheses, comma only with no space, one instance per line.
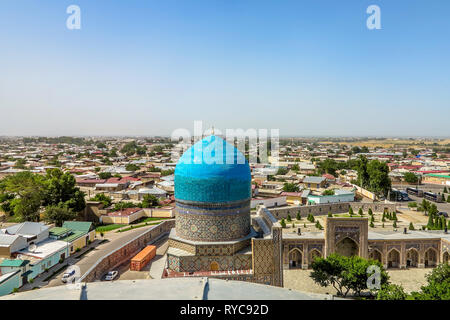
(44,249)
(168,289)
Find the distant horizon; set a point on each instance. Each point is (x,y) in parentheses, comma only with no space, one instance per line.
(281,136)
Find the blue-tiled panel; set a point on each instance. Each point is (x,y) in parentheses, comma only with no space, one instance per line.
(212,171)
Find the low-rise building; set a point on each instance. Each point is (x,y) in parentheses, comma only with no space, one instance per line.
(313,182)
(125,216)
(339,196)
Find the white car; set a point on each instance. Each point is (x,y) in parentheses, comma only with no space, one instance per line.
(111,275)
(68,276)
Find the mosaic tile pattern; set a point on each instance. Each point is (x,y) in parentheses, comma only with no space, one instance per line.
(203,263)
(203,223)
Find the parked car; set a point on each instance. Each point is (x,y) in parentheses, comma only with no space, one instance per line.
(111,275)
(68,276)
(445,214)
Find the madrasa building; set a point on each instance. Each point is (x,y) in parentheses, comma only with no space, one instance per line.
(216,236)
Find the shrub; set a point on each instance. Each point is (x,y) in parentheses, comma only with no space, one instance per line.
(372,225)
(411,226)
(283,223)
(329,214)
(370,211)
(438,284)
(344,273)
(391,292)
(412,205)
(299,217)
(289,217)
(360,212)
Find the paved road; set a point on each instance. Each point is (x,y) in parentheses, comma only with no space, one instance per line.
(153,270)
(425,187)
(443,206)
(88,260)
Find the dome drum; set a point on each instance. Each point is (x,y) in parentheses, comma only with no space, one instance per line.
(204,223)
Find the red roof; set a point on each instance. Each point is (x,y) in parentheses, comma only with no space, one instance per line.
(433,171)
(90,180)
(122,180)
(329,176)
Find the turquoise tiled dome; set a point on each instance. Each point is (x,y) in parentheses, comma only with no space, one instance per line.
(216,172)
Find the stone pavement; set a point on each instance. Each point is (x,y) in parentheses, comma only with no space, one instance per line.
(411,280)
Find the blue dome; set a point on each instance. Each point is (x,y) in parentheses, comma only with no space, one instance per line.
(212,170)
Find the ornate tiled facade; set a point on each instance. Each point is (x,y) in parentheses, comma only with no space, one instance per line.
(210,222)
(203,263)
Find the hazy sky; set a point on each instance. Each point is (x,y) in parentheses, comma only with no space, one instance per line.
(148,67)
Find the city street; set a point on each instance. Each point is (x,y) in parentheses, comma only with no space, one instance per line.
(115,240)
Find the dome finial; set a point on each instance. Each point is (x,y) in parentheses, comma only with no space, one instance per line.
(212,130)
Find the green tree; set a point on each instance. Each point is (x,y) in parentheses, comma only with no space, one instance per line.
(132,167)
(360,212)
(370,211)
(328,192)
(299,217)
(289,219)
(345,273)
(59,214)
(20,164)
(149,201)
(391,292)
(105,175)
(101,197)
(350,211)
(411,226)
(282,171)
(329,214)
(283,223)
(379,181)
(410,177)
(60,190)
(438,285)
(28,191)
(318,225)
(290,187)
